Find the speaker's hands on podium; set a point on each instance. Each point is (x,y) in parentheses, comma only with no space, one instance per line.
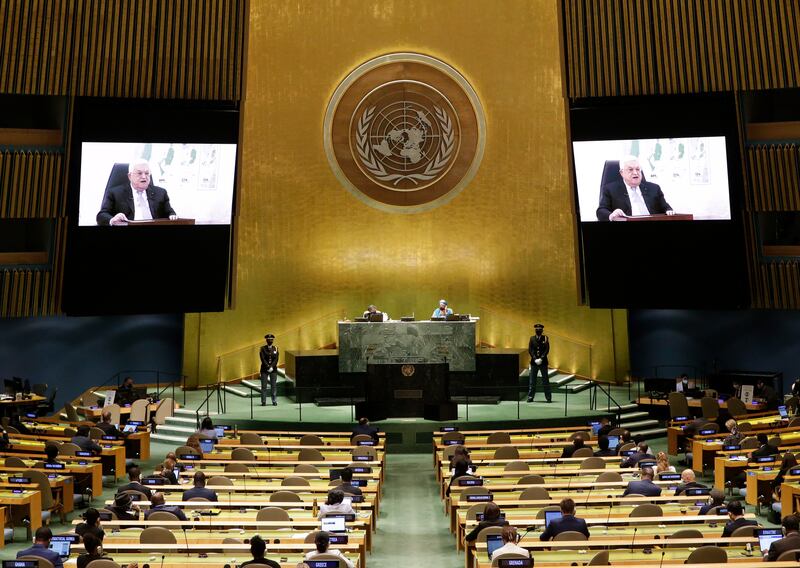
(617,215)
(118,219)
(670,212)
(173,217)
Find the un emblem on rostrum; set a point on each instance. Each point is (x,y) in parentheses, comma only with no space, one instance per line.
(404,132)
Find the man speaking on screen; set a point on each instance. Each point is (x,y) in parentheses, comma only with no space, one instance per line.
(631,196)
(138,200)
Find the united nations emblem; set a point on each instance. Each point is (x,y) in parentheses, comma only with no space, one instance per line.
(408,370)
(404,132)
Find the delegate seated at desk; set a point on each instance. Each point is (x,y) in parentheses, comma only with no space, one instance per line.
(372,309)
(138,200)
(442,311)
(631,196)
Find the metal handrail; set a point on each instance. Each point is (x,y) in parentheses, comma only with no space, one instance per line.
(210,390)
(593,401)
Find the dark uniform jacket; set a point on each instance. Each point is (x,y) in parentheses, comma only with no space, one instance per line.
(539,347)
(269,357)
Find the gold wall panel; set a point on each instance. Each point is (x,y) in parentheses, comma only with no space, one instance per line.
(123,48)
(307,247)
(636,47)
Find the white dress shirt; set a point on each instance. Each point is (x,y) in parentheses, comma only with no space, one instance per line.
(140,204)
(638,206)
(510,547)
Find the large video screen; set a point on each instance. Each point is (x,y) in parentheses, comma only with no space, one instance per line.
(152,206)
(644,179)
(658,201)
(123,183)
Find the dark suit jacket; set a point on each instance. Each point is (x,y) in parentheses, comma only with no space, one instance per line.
(789,542)
(119,199)
(644,487)
(764,451)
(109,429)
(267,561)
(136,486)
(605,453)
(42,552)
(269,357)
(86,444)
(369,430)
(174,509)
(634,459)
(350,489)
(614,195)
(684,486)
(733,525)
(564,524)
(203,492)
(482,525)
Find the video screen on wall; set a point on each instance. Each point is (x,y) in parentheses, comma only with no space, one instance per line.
(125,183)
(643,179)
(151,201)
(658,193)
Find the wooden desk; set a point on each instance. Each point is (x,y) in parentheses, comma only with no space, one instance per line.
(212,560)
(29,501)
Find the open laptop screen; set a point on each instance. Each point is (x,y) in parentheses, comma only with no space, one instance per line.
(782,412)
(550,516)
(61,546)
(206,445)
(766,537)
(333,524)
(613,442)
(493,542)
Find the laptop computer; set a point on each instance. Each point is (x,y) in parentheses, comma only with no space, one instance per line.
(333,524)
(61,546)
(220,430)
(766,537)
(782,411)
(595,427)
(550,516)
(613,442)
(206,445)
(129,428)
(493,542)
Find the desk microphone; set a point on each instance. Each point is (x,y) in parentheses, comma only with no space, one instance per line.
(589,494)
(634,538)
(608,518)
(660,562)
(527,530)
(162,561)
(186,540)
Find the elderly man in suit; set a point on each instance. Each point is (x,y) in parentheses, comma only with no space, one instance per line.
(137,200)
(631,196)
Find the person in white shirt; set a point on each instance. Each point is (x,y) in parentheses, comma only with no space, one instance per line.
(322,541)
(373,309)
(510,545)
(335,504)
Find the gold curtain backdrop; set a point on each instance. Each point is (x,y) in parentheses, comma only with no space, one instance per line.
(307,248)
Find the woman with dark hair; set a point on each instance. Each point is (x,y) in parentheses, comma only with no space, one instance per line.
(335,504)
(460,469)
(463,453)
(207,429)
(491,518)
(91,525)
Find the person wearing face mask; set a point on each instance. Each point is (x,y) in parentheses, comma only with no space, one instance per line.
(538,348)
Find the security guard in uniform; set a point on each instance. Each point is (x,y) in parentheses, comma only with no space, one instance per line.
(538,348)
(269,369)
